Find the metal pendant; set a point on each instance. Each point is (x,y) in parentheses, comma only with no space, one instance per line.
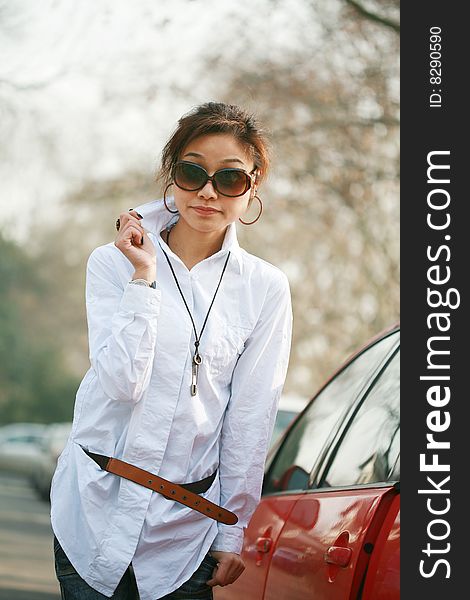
(197,359)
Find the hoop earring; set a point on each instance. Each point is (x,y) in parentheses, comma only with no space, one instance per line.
(164,199)
(259,215)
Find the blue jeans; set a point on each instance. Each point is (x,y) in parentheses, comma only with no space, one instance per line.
(73,587)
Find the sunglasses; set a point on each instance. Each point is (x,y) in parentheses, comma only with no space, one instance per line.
(191,177)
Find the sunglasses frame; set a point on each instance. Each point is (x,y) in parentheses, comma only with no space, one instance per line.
(250,178)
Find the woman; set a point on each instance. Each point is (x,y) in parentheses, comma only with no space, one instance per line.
(189,344)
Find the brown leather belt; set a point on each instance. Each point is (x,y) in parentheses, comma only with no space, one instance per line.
(184,493)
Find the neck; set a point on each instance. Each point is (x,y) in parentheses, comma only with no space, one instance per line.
(193,246)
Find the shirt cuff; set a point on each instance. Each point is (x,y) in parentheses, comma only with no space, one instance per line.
(141,299)
(228,540)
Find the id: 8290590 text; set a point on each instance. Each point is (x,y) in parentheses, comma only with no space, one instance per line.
(435,67)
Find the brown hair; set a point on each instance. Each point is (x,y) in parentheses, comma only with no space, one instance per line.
(216,117)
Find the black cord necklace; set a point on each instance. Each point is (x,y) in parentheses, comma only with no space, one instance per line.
(197,358)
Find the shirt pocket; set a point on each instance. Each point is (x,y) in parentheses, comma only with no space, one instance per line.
(221,354)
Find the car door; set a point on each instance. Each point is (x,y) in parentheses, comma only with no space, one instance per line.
(325,545)
(292,461)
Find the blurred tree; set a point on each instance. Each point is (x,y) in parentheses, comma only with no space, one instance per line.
(34,385)
(323,77)
(332,203)
(61,251)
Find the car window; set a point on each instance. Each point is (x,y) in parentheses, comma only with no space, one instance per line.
(368,452)
(283,419)
(291,467)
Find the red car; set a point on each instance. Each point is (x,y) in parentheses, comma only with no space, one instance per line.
(328,524)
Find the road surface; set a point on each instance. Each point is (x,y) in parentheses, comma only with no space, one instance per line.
(26,554)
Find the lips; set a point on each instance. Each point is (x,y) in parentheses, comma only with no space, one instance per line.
(202,210)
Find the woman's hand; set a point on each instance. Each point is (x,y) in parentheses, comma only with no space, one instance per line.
(229,569)
(133,241)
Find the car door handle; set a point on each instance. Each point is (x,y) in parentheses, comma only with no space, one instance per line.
(263,544)
(338,555)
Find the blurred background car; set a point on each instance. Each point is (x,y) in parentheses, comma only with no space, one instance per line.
(20,445)
(32,450)
(328,523)
(54,437)
(52,444)
(289,408)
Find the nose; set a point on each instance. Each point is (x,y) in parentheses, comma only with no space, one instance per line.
(208,191)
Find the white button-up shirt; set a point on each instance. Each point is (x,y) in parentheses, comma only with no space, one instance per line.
(135,403)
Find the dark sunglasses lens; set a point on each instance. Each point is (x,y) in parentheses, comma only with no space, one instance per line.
(190,177)
(231,182)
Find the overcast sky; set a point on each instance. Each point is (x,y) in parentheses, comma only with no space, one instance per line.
(92,87)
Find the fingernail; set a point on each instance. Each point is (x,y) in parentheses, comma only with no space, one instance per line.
(140,216)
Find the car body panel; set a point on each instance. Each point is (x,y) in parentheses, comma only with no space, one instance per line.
(258,545)
(383,575)
(307,560)
(327,525)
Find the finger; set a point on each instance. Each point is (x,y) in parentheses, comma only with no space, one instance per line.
(222,575)
(132,223)
(213,581)
(134,215)
(219,581)
(238,572)
(125,219)
(232,573)
(129,217)
(131,235)
(144,239)
(137,236)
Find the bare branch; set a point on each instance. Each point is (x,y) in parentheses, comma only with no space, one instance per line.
(373,16)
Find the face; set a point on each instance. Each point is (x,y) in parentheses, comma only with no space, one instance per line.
(206,210)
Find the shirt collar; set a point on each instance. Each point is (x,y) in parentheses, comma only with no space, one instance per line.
(156,217)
